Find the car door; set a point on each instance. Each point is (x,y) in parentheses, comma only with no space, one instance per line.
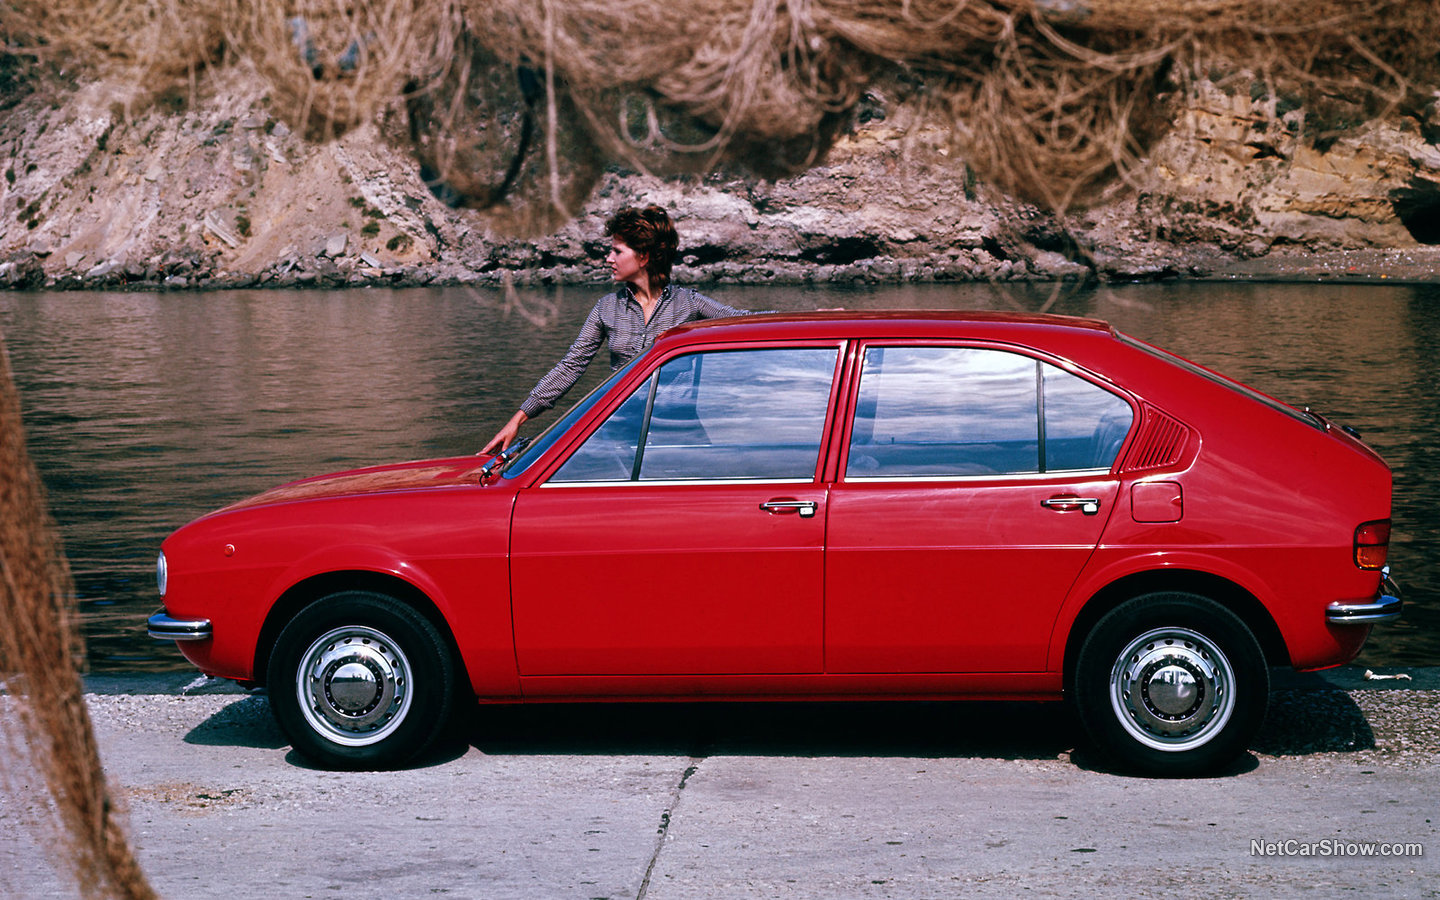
(685,536)
(976,484)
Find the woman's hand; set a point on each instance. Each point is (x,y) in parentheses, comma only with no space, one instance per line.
(505,436)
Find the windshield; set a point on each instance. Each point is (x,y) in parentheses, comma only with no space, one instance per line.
(549,436)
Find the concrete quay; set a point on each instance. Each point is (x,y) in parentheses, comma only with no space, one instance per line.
(1338,798)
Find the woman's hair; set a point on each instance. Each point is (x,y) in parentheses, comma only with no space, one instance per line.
(650,232)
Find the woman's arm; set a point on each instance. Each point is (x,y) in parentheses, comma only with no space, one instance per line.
(703,307)
(570,367)
(556,382)
(708,308)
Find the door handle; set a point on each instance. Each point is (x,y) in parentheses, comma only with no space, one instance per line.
(1087,505)
(806,508)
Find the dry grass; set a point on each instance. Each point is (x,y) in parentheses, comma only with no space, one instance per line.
(520,103)
(39,657)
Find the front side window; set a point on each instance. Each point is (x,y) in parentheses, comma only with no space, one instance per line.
(958,411)
(560,426)
(732,414)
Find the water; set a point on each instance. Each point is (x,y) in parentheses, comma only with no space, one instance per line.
(146,410)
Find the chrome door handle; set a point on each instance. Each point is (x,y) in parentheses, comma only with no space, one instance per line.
(1087,505)
(806,508)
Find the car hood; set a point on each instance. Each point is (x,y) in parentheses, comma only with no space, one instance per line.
(427,473)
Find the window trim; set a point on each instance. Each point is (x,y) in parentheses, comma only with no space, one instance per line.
(1225,381)
(638,465)
(574,439)
(1059,475)
(856,371)
(676,482)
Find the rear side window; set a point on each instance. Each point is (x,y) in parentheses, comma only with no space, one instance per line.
(1084,424)
(733,414)
(967,411)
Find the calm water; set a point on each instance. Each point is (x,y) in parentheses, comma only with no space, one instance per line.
(146,410)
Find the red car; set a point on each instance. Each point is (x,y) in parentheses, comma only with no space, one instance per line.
(863,505)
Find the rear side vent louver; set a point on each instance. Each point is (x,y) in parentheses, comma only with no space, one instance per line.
(1161,443)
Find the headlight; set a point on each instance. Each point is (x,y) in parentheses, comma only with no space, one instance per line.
(160,574)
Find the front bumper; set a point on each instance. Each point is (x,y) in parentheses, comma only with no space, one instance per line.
(165,628)
(1384,608)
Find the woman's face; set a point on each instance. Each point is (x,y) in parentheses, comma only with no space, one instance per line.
(625,264)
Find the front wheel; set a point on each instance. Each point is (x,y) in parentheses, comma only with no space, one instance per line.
(361,681)
(1171,684)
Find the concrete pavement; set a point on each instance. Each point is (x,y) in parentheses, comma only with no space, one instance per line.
(668,802)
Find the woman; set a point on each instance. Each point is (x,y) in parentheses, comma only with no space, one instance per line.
(642,249)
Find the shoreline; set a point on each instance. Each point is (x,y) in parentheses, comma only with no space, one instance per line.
(1418,265)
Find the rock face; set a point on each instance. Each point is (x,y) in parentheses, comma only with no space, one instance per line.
(218,193)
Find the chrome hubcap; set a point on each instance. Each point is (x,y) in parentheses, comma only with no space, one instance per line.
(354,685)
(1172,689)
(354,688)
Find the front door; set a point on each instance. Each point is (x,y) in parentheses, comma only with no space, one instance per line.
(686,535)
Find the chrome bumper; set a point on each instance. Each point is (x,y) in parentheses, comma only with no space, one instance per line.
(165,628)
(1385,608)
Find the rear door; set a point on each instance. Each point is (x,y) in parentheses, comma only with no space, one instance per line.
(975,485)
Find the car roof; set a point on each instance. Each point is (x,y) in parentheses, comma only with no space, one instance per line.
(901,323)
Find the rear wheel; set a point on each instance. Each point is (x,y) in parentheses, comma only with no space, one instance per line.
(1171,684)
(360,680)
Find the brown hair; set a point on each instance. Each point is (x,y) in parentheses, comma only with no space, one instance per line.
(650,232)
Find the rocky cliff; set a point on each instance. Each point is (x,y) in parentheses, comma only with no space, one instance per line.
(211,190)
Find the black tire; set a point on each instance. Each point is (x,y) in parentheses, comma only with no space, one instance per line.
(360,680)
(1171,684)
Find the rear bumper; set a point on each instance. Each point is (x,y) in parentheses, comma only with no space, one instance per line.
(1384,608)
(165,628)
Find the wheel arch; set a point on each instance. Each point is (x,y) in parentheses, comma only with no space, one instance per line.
(1222,590)
(307,591)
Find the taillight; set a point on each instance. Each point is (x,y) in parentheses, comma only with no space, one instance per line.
(1372,543)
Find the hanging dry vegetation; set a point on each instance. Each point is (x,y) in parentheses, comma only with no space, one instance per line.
(516,105)
(46,726)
